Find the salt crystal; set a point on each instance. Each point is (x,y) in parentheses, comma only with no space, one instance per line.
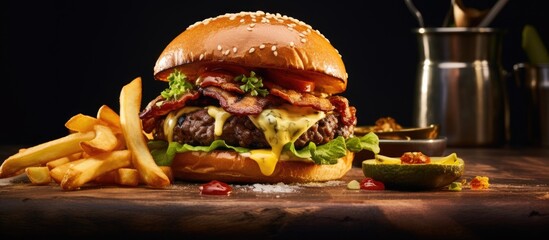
(274,188)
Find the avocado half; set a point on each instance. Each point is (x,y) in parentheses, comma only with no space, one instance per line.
(413,177)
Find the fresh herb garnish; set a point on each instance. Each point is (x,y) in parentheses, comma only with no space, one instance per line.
(178,85)
(252,84)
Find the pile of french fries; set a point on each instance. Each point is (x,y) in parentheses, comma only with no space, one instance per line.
(107,149)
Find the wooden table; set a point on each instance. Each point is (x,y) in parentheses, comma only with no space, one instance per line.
(517,204)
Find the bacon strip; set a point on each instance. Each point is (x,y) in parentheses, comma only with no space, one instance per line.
(155,108)
(238,105)
(160,106)
(224,81)
(219,86)
(302,99)
(347,114)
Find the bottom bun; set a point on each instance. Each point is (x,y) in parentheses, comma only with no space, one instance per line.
(228,166)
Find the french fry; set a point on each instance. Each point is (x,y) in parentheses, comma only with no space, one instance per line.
(107,178)
(127,177)
(58,172)
(168,171)
(43,153)
(121,176)
(60,161)
(104,141)
(90,168)
(109,116)
(38,175)
(130,101)
(57,162)
(82,123)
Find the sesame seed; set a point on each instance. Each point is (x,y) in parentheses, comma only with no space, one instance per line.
(253,20)
(273,48)
(201,56)
(242,20)
(219,47)
(249,29)
(261,46)
(251,50)
(303,40)
(252,25)
(232,17)
(234,49)
(275,53)
(227,52)
(292,44)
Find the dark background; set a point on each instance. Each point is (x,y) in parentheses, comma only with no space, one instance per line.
(60,58)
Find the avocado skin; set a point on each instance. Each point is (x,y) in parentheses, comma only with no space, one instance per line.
(413,177)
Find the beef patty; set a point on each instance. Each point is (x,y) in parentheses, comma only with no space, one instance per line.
(197,129)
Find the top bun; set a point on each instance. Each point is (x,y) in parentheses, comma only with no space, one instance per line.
(256,40)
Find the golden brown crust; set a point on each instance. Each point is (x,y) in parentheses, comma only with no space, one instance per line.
(231,167)
(256,40)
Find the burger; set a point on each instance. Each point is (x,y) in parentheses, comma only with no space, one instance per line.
(252,97)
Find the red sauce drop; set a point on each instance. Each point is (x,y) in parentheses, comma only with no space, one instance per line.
(371,184)
(215,188)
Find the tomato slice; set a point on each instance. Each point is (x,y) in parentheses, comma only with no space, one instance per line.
(290,80)
(218,77)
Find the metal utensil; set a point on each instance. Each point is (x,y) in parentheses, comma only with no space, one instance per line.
(449,18)
(493,12)
(416,12)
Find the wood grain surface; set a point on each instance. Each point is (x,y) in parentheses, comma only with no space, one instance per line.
(517,204)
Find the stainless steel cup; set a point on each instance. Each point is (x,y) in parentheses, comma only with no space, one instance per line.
(459,85)
(529,105)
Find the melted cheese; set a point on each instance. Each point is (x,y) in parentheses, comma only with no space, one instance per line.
(171,121)
(281,126)
(220,117)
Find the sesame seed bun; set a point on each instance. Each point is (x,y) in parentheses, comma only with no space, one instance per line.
(230,166)
(286,52)
(256,40)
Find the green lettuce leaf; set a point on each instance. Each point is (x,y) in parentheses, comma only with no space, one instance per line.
(330,152)
(368,142)
(163,153)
